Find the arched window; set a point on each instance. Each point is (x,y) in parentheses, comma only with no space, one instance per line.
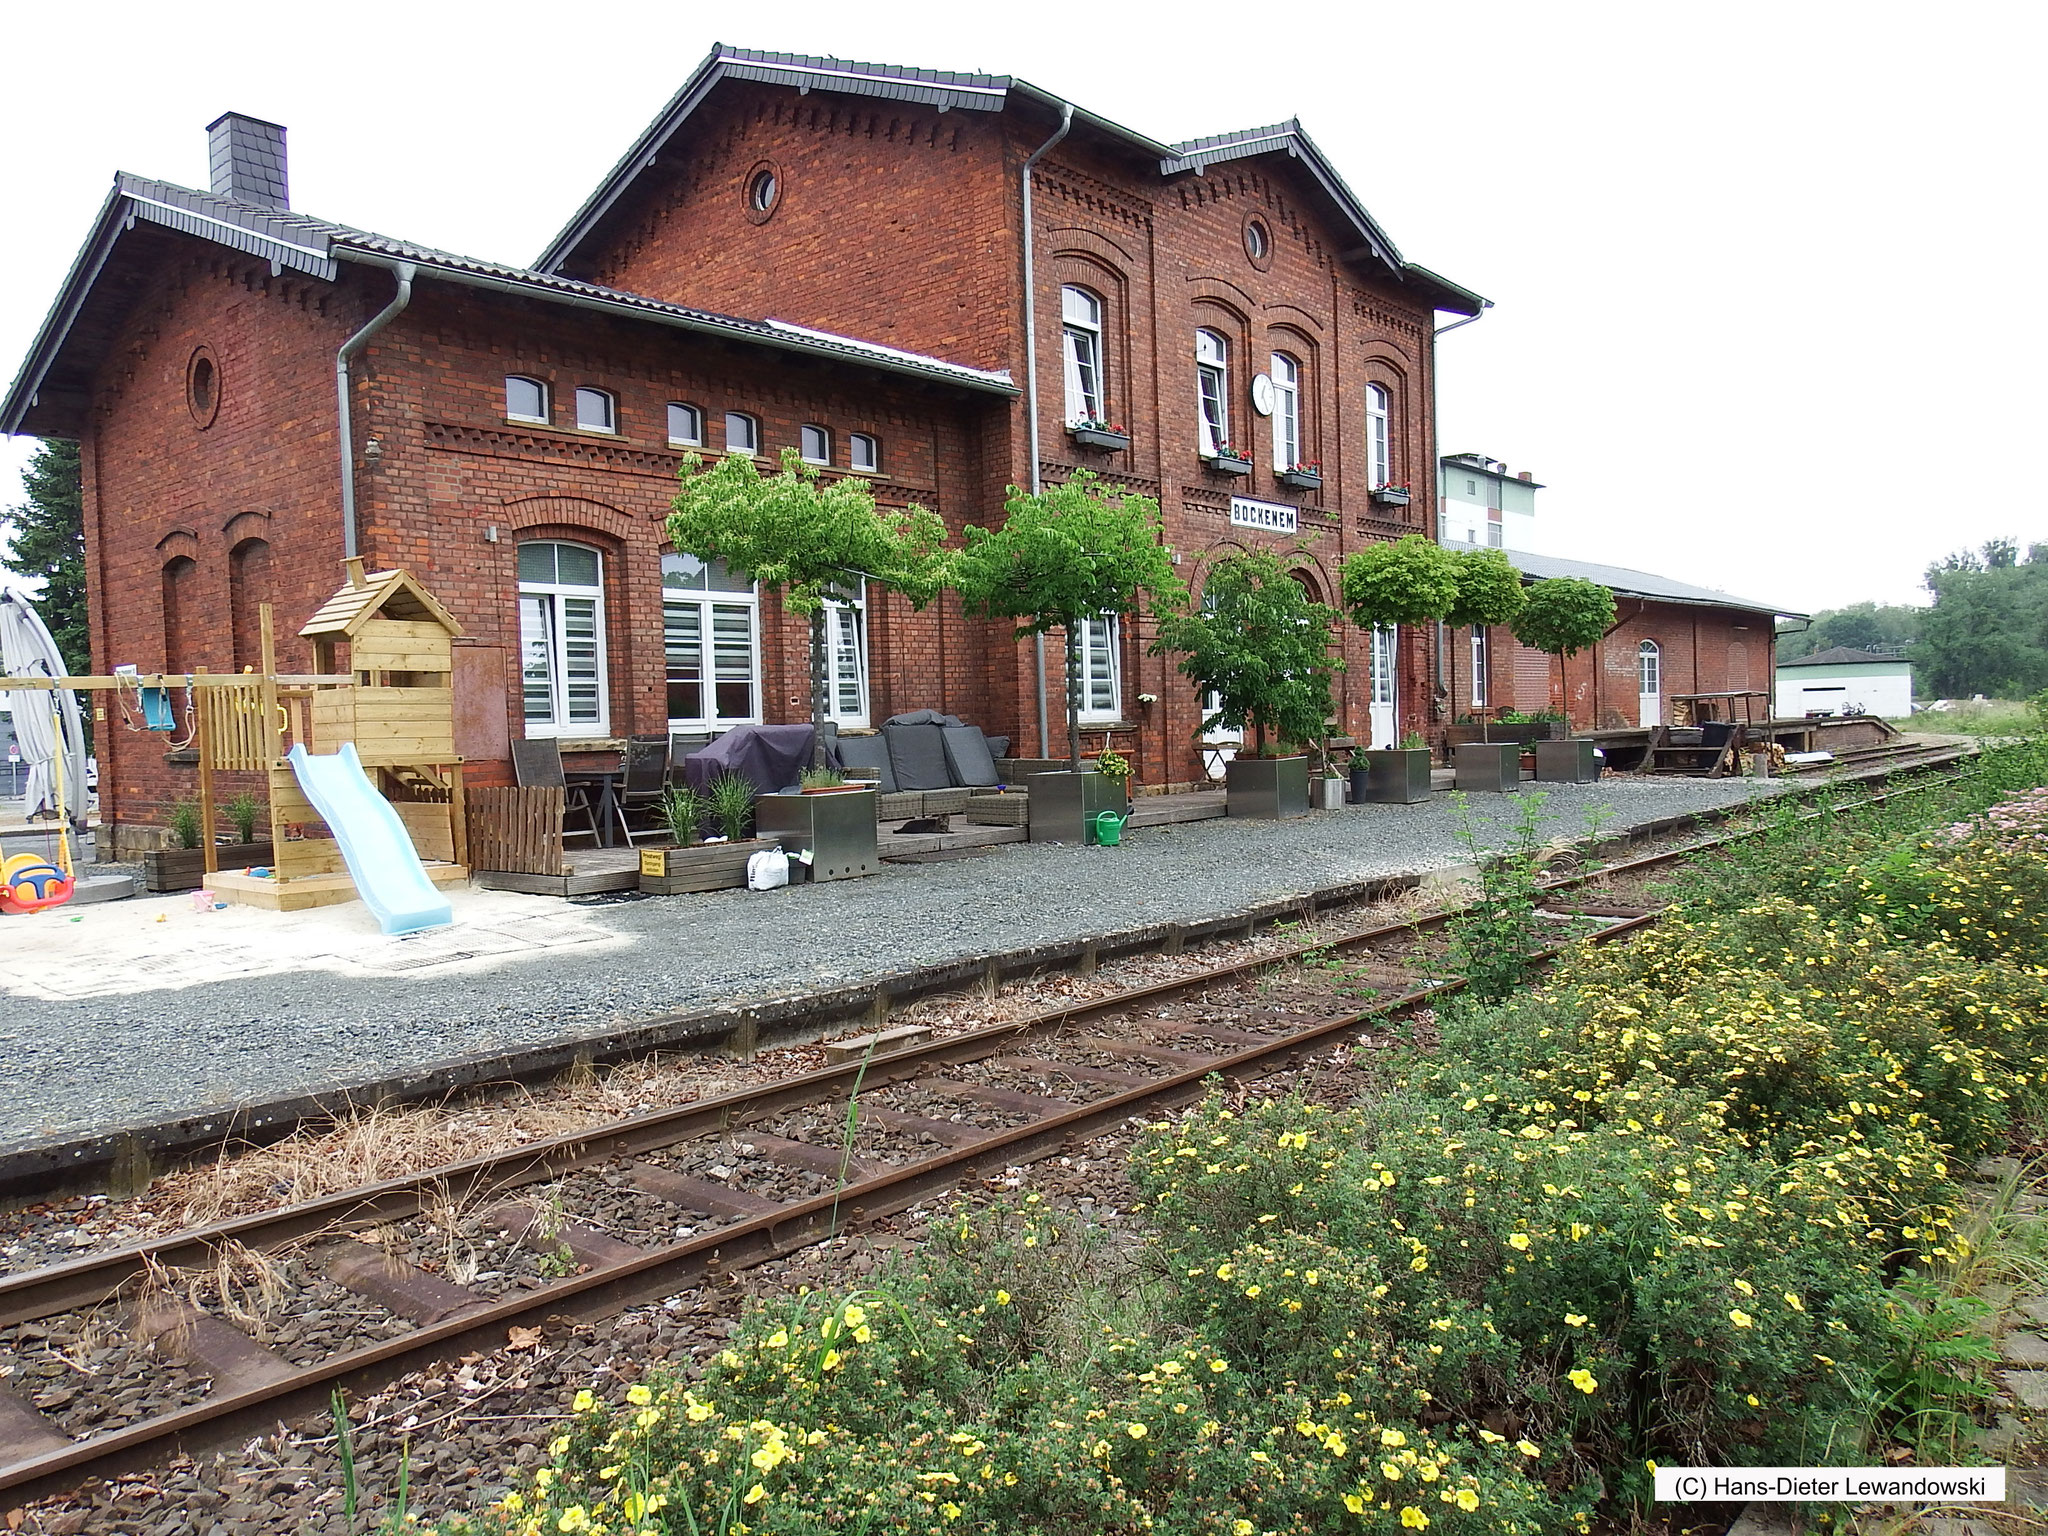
(1081,333)
(864,452)
(685,425)
(525,399)
(710,628)
(742,433)
(181,605)
(816,446)
(1212,391)
(596,411)
(561,640)
(1379,459)
(1286,412)
(249,588)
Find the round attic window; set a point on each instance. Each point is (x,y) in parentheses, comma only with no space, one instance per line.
(1258,243)
(764,191)
(202,386)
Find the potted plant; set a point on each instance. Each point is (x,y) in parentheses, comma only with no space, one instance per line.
(1304,476)
(1227,460)
(1116,768)
(1564,616)
(1390,495)
(1329,788)
(809,539)
(1063,556)
(1096,432)
(1396,775)
(824,781)
(692,865)
(1262,647)
(182,865)
(1411,580)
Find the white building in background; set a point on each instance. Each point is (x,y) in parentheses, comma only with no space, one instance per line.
(1844,681)
(1480,504)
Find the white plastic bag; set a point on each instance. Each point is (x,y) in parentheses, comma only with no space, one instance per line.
(767,869)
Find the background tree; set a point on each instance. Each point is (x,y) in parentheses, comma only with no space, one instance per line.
(1564,616)
(1412,580)
(45,540)
(1489,589)
(1988,629)
(1065,555)
(1860,626)
(809,539)
(1261,645)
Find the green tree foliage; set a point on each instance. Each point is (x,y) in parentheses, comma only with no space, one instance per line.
(1489,589)
(1988,629)
(45,540)
(1564,616)
(1412,580)
(1066,554)
(1261,645)
(1860,626)
(807,538)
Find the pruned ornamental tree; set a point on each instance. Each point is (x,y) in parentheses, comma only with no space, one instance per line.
(1412,580)
(1489,589)
(1564,616)
(1261,645)
(809,539)
(1064,555)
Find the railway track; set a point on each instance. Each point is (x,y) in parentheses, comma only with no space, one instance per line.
(448,1261)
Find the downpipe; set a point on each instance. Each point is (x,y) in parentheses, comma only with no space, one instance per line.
(1031,383)
(405,271)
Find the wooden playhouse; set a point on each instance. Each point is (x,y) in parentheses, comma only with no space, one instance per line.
(395,702)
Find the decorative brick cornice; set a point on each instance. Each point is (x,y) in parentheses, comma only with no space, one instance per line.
(1059,472)
(1084,193)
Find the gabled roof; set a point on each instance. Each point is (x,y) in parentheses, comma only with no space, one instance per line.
(1845,656)
(301,243)
(1627,583)
(389,594)
(947,90)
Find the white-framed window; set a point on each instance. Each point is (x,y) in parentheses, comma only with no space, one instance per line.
(816,446)
(742,433)
(1649,668)
(1494,528)
(846,659)
(685,425)
(1286,412)
(525,399)
(1379,462)
(1081,337)
(1212,390)
(863,452)
(596,411)
(710,639)
(1102,689)
(1381,663)
(1482,668)
(561,640)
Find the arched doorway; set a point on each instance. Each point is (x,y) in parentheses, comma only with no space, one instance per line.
(1649,685)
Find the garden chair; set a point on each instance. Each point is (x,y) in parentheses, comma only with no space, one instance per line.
(537,764)
(643,785)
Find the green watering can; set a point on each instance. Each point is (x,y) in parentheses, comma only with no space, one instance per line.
(1106,829)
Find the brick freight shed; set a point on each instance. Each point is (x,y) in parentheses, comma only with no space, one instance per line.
(510,435)
(1669,638)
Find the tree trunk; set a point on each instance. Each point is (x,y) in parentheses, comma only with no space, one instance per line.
(1258,738)
(820,653)
(1564,694)
(1073,698)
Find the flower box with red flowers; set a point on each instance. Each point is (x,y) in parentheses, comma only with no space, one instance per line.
(1305,476)
(1099,434)
(1391,495)
(1226,460)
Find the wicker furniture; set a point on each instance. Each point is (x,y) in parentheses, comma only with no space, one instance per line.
(1012,810)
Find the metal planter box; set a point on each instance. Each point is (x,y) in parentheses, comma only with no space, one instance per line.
(1063,803)
(1397,776)
(1224,466)
(1489,767)
(1387,496)
(1329,793)
(838,829)
(1574,760)
(1267,787)
(1301,479)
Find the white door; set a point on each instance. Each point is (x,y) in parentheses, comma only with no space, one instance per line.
(1381,713)
(1649,685)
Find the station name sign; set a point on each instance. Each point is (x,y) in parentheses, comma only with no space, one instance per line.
(1268,515)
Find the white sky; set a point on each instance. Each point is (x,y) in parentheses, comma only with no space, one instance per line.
(1763,271)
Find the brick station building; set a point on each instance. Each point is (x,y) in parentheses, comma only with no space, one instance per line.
(944,283)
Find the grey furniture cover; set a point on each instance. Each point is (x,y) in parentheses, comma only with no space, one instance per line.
(918,754)
(968,757)
(868,752)
(770,757)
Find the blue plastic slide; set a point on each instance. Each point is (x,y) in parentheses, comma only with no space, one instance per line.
(374,842)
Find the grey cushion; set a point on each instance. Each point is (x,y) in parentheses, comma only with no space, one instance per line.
(968,756)
(918,754)
(998,746)
(922,717)
(868,752)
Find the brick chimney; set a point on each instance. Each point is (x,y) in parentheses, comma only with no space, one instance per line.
(1525,474)
(246,158)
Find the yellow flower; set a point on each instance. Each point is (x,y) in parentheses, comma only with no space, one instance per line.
(1467,1500)
(1519,1241)
(950,1510)
(1251,1290)
(1583,1380)
(1224,1271)
(1392,1438)
(855,1315)
(558,1446)
(1792,1301)
(1135,1431)
(1740,1318)
(696,1411)
(1352,1502)
(1745,1287)
(1391,1472)
(574,1518)
(831,1360)
(1002,1298)
(1414,1518)
(1246,1528)
(779,1339)
(1575,1320)
(584,1401)
(755,1494)
(1526,1448)
(639,1396)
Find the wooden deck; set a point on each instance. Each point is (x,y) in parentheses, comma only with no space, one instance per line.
(591,871)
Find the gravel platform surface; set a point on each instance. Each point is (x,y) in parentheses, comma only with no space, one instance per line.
(74,1068)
